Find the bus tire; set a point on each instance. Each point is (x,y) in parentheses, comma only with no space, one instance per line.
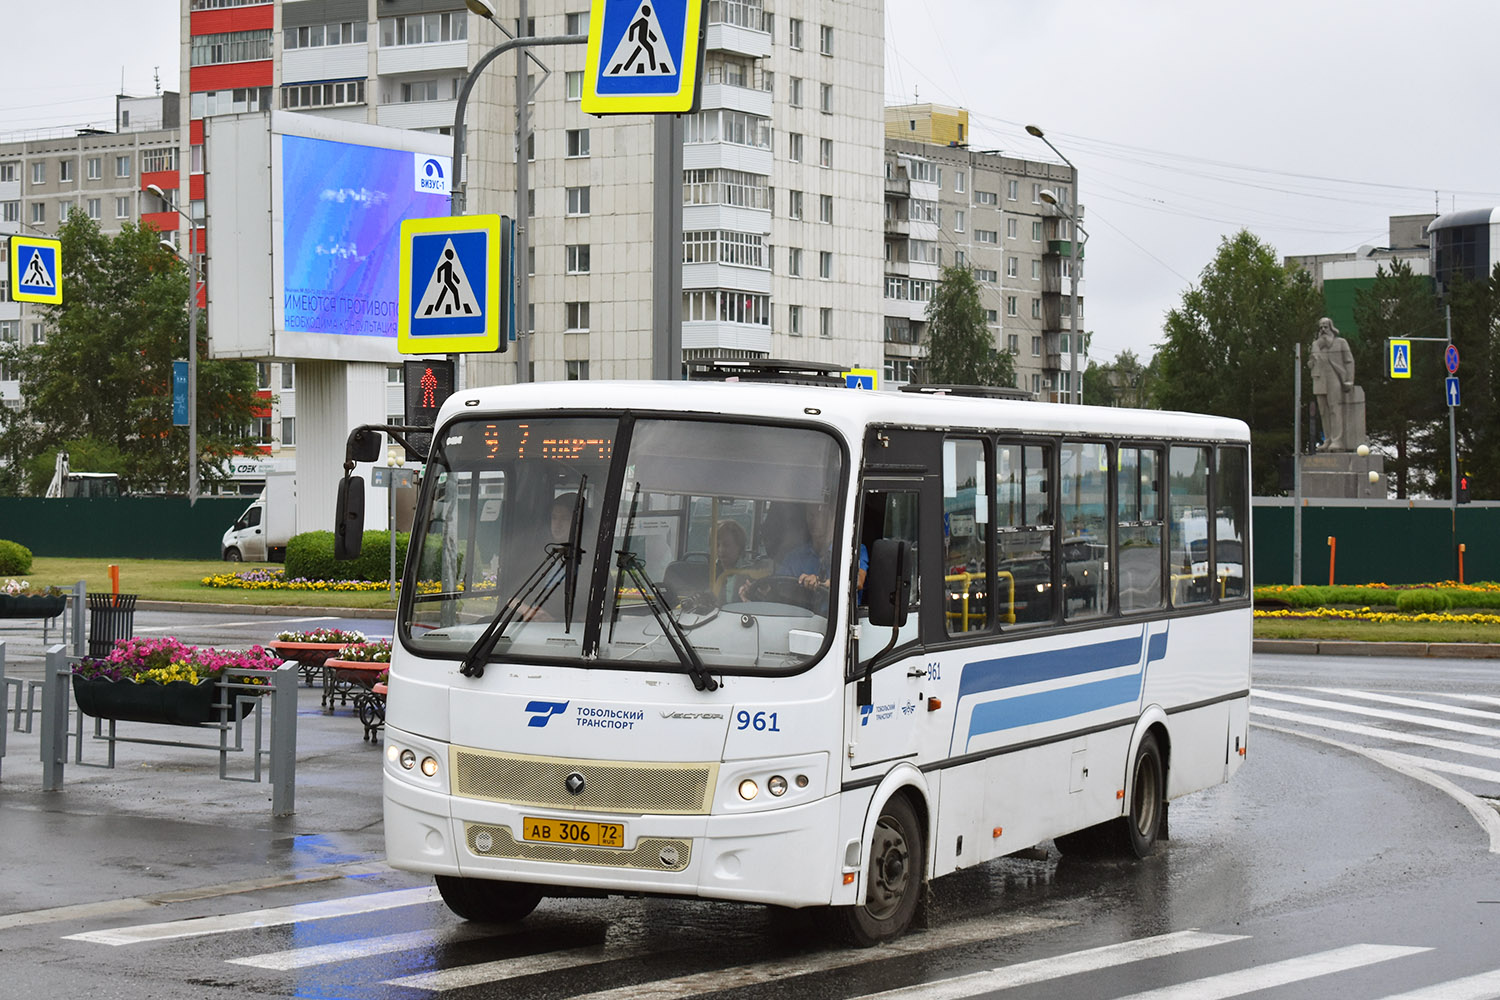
(487,901)
(894,878)
(1133,835)
(1137,831)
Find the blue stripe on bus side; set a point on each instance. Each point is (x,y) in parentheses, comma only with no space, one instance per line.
(1029,668)
(1049,706)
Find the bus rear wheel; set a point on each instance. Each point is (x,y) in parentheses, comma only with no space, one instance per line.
(894,877)
(1133,835)
(487,901)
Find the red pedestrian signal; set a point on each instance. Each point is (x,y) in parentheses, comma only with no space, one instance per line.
(1463,489)
(428,386)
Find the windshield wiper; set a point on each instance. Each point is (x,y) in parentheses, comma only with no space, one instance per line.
(543,578)
(633,566)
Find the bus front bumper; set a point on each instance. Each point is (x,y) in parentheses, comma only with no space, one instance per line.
(786,857)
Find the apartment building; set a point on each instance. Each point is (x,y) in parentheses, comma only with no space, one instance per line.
(781,186)
(47,176)
(947,203)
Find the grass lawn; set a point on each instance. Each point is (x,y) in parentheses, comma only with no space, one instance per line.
(1377,631)
(177,580)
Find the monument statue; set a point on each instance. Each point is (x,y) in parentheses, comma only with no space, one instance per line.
(1332,365)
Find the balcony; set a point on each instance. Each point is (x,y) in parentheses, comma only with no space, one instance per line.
(423,58)
(1062,248)
(735,26)
(897,227)
(898,186)
(746,99)
(417,114)
(726,336)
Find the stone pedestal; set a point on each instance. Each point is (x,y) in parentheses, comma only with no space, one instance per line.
(1343,474)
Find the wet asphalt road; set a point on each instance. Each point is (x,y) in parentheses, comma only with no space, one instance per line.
(1320,871)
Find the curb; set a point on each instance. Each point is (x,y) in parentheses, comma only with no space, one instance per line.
(1411,650)
(268,609)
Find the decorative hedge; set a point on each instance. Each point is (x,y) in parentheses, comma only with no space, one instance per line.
(15,558)
(309,555)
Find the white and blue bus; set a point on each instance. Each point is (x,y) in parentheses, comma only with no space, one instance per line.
(805,646)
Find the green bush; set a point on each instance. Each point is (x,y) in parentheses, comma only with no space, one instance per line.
(309,556)
(14,558)
(1413,602)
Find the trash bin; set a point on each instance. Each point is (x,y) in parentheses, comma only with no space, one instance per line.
(111,617)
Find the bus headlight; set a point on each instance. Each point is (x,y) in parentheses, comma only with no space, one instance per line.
(748,789)
(429,766)
(776,786)
(408,759)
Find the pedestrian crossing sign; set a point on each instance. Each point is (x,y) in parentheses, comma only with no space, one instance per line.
(643,57)
(35,269)
(1400,359)
(450,297)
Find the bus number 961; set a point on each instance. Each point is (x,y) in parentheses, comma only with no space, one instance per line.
(761,722)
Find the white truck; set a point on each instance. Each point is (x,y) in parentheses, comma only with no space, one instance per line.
(262,531)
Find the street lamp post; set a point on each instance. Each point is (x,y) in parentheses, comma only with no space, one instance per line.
(192,345)
(523,45)
(1076,387)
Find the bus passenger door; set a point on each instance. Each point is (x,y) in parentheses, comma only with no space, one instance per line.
(886,729)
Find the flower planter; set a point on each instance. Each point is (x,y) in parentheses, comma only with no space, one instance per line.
(175,703)
(310,653)
(31,606)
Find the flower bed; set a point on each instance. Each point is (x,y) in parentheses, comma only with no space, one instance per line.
(1366,615)
(275,579)
(19,599)
(163,681)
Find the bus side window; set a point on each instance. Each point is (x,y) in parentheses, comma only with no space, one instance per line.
(966,530)
(1024,514)
(1187,471)
(889,514)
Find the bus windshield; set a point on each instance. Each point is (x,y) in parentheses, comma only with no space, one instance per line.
(700,545)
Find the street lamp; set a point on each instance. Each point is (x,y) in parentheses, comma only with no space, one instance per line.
(523,97)
(192,346)
(1076,389)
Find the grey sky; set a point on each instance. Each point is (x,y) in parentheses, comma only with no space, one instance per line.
(1307,122)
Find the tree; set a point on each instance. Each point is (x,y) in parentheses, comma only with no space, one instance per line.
(1476,330)
(1122,382)
(1405,415)
(1229,347)
(103,375)
(960,348)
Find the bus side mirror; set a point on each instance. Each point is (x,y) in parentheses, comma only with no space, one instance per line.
(888,582)
(349,523)
(363,446)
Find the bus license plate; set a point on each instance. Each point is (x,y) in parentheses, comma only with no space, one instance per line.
(556,831)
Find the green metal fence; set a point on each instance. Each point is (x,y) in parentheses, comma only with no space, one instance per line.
(123,527)
(1389,541)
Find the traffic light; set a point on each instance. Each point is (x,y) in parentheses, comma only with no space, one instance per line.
(428,386)
(1463,489)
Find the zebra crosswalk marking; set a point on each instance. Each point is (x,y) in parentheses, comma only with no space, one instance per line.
(513,968)
(346,951)
(1391,699)
(1045,969)
(1485,986)
(1292,970)
(1390,735)
(1338,706)
(986,929)
(294,914)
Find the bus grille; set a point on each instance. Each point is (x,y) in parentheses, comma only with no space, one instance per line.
(657,854)
(608,786)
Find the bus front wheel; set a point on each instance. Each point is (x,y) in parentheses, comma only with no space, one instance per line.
(486,901)
(893,879)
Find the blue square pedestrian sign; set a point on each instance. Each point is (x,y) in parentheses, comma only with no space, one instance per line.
(35,269)
(449,294)
(642,57)
(1400,358)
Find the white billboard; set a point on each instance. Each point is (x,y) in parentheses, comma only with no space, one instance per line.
(304,220)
